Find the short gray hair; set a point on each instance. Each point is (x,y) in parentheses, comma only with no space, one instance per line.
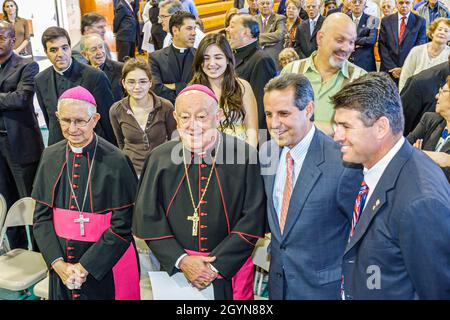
(303,91)
(173,6)
(91,108)
(374,95)
(86,37)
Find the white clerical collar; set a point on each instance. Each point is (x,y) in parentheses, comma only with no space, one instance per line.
(373,175)
(62,72)
(181,49)
(76,149)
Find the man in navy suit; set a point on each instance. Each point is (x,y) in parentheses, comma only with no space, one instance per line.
(305,38)
(398,245)
(367,31)
(310,195)
(399,33)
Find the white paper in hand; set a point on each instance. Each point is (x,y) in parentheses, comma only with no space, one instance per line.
(176,287)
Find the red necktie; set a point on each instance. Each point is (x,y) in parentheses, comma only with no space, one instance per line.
(402,30)
(359,206)
(287,190)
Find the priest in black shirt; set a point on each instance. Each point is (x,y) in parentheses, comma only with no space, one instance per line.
(172,66)
(84,192)
(201,201)
(66,73)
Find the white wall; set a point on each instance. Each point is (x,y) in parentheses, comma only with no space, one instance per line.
(47,13)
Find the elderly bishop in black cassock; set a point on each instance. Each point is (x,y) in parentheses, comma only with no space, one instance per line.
(201,202)
(84,192)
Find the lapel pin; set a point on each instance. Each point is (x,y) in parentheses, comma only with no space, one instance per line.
(377,203)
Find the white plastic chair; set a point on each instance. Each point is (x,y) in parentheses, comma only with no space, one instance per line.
(20,269)
(261,260)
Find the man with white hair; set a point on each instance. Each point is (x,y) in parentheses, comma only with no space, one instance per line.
(84,191)
(93,49)
(201,202)
(328,68)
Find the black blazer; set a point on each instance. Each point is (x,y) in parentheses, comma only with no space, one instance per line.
(367,33)
(305,43)
(124,25)
(165,70)
(17,110)
(83,75)
(392,55)
(419,94)
(430,130)
(257,67)
(113,70)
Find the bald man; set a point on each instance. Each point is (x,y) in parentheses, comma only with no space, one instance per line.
(328,69)
(201,201)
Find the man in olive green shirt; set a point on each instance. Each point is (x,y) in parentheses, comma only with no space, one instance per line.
(328,68)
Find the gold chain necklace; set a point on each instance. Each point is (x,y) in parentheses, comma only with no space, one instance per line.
(194,218)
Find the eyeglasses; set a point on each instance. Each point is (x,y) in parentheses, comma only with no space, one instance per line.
(79,123)
(442,90)
(164,16)
(133,83)
(358,1)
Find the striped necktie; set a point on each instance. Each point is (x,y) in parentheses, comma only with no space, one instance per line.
(287,190)
(359,206)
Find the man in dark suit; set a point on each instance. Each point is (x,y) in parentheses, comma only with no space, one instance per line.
(367,31)
(20,138)
(172,66)
(431,136)
(305,38)
(398,245)
(252,63)
(399,33)
(93,50)
(419,94)
(309,192)
(273,29)
(66,73)
(124,27)
(91,23)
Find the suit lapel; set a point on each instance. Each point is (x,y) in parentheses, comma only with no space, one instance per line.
(309,174)
(316,28)
(394,29)
(273,148)
(8,70)
(379,196)
(409,25)
(270,23)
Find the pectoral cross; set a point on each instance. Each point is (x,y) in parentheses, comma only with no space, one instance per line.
(81,220)
(195,219)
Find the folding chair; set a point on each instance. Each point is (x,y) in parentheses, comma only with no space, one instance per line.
(20,269)
(261,260)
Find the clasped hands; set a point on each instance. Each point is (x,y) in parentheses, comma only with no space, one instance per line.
(197,270)
(72,275)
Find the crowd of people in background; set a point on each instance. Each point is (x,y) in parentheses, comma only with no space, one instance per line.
(374,76)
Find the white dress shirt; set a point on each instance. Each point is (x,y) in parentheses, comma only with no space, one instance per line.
(374,174)
(399,16)
(298,154)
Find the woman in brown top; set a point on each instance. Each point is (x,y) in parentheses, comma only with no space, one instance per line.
(142,120)
(293,21)
(10,14)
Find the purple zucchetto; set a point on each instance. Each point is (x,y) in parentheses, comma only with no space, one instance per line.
(78,93)
(201,88)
